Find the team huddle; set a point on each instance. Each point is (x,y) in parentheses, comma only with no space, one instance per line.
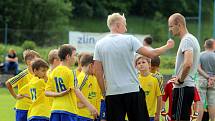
(45,92)
(120,82)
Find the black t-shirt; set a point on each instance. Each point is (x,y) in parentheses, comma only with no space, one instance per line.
(11,55)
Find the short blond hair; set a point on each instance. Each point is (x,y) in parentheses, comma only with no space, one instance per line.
(53,54)
(30,55)
(138,57)
(113,18)
(178,18)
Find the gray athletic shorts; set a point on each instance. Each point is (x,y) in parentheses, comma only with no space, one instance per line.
(206,94)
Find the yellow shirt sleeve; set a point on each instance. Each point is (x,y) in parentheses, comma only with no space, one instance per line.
(16,79)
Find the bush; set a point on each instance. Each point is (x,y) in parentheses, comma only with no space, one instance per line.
(167,62)
(28,44)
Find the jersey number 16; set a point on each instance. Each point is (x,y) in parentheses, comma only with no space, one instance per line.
(59,84)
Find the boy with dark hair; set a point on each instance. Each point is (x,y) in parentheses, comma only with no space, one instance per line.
(148,42)
(155,66)
(63,86)
(20,80)
(40,107)
(89,87)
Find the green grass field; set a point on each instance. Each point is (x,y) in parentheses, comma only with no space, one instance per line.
(7,104)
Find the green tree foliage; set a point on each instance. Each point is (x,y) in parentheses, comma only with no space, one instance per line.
(48,21)
(28,44)
(147,8)
(32,19)
(101,8)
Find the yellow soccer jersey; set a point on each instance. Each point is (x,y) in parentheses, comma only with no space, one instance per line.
(77,72)
(159,77)
(152,91)
(49,76)
(90,89)
(41,105)
(61,79)
(21,80)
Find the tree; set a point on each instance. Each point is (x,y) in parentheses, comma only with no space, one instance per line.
(34,19)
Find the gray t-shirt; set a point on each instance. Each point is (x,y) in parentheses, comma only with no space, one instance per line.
(207,62)
(116,52)
(188,43)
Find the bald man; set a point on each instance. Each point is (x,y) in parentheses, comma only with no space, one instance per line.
(186,66)
(207,76)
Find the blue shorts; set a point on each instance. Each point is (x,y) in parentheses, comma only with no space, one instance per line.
(80,118)
(38,118)
(21,115)
(103,110)
(63,116)
(151,118)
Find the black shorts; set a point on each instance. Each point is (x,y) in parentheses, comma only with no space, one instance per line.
(133,104)
(182,102)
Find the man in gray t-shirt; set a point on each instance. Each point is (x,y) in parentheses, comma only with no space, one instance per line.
(186,66)
(207,75)
(114,63)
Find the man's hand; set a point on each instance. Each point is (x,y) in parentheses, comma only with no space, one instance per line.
(170,43)
(211,81)
(175,80)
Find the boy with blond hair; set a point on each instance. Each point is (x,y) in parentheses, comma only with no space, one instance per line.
(20,80)
(62,85)
(150,86)
(53,59)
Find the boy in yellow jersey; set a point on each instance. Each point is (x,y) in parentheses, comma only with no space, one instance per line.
(150,86)
(79,68)
(63,87)
(89,87)
(40,107)
(155,66)
(22,103)
(54,61)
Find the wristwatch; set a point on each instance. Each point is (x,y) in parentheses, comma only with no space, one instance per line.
(180,82)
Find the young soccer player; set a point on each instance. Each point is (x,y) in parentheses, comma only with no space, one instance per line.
(89,87)
(53,59)
(155,66)
(79,68)
(40,108)
(63,86)
(150,86)
(22,103)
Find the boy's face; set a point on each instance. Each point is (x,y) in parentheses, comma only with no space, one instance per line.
(56,62)
(142,65)
(91,69)
(71,58)
(41,72)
